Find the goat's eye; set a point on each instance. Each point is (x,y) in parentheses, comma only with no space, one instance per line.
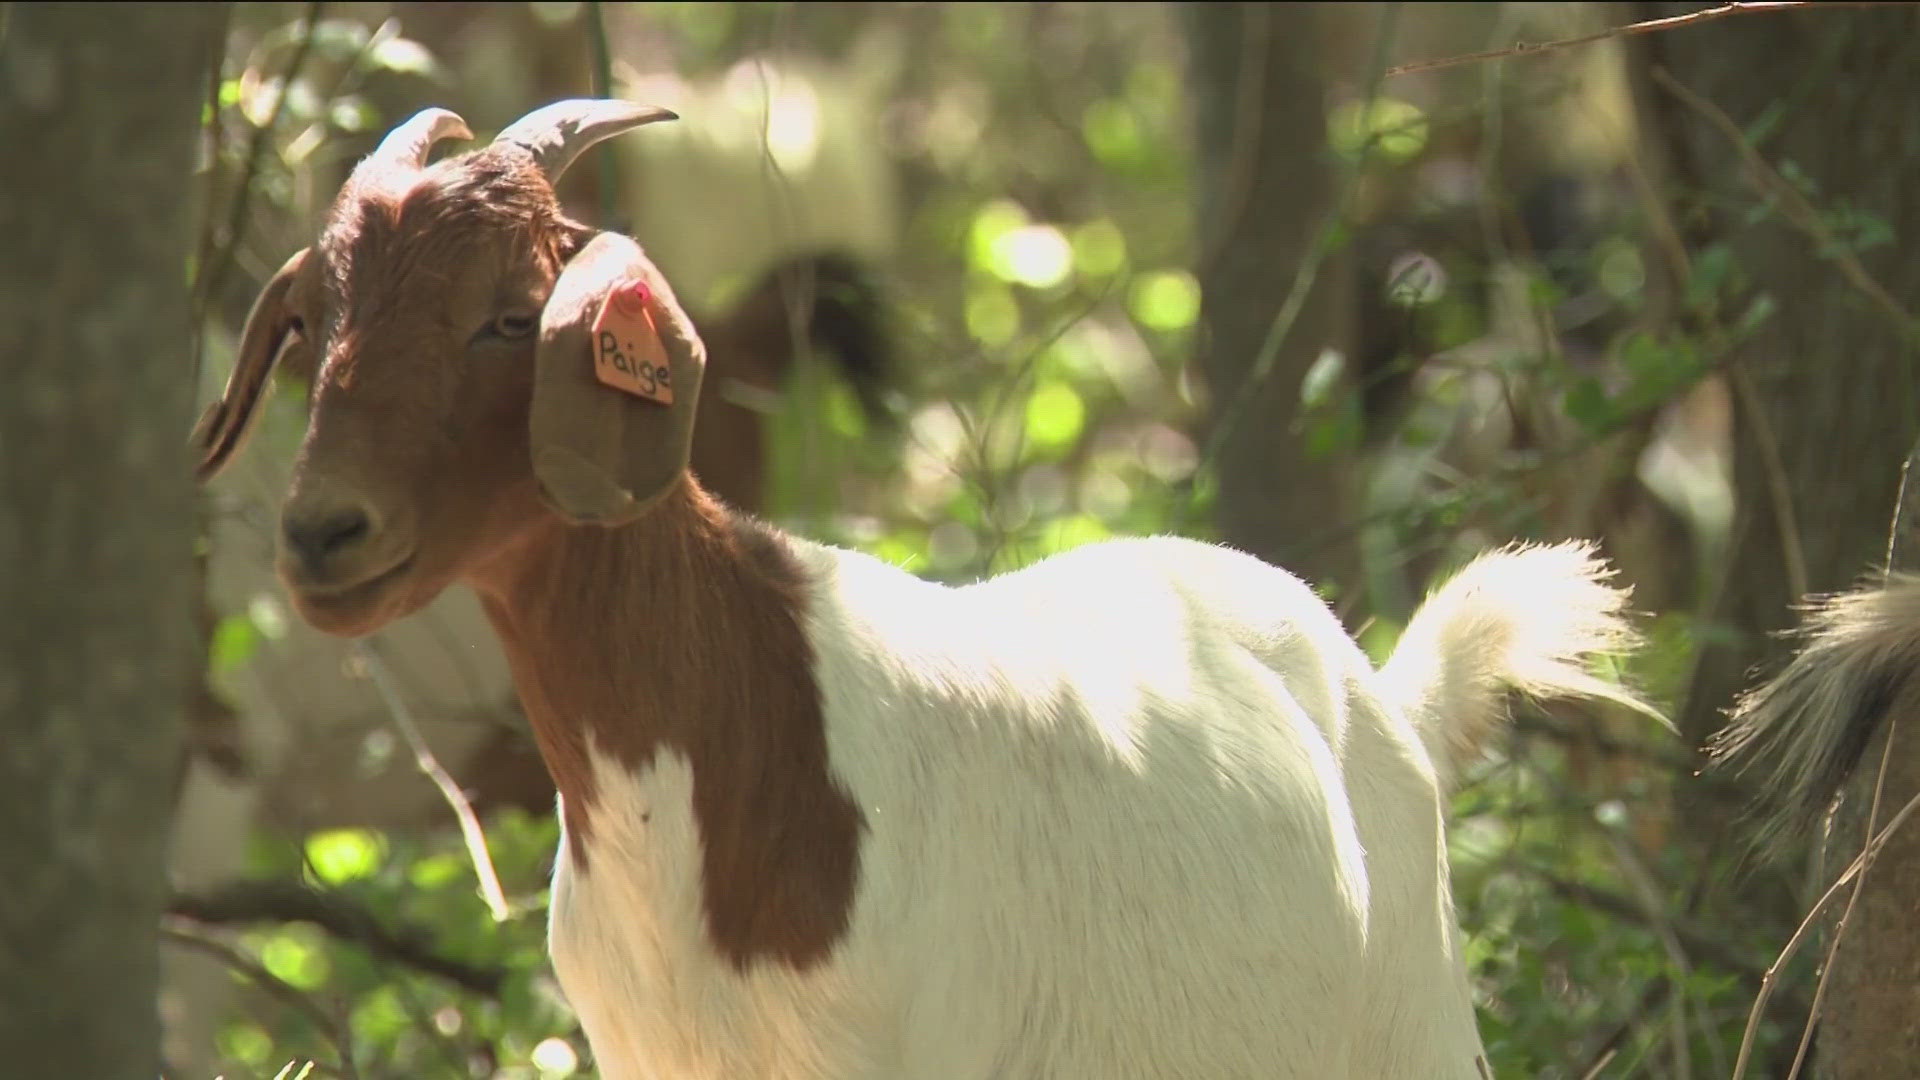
(513,324)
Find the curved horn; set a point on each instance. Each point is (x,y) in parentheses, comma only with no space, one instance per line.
(408,144)
(556,134)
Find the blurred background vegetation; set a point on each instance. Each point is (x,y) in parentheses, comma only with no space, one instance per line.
(1211,269)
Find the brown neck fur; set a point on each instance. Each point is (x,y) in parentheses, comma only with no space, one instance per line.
(683,630)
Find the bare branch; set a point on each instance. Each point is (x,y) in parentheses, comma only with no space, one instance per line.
(1696,940)
(1779,488)
(1676,22)
(288,901)
(1860,862)
(1798,210)
(470,831)
(272,984)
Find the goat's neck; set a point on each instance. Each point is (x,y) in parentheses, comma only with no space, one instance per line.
(683,632)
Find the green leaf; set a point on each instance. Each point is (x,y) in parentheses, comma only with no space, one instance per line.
(1055,416)
(294,959)
(1712,272)
(992,316)
(1396,129)
(1586,403)
(1378,637)
(1112,132)
(246,1043)
(990,224)
(1099,249)
(234,642)
(1757,313)
(342,855)
(1166,300)
(1071,532)
(435,871)
(1322,379)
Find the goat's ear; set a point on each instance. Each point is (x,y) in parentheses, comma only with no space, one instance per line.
(226,423)
(604,453)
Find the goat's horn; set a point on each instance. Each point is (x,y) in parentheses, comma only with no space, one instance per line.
(556,134)
(408,144)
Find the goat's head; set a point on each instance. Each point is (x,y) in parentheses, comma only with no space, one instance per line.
(446,315)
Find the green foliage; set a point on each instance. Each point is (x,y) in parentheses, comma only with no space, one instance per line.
(398,1021)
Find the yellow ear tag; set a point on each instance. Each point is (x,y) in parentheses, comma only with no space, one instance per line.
(627,354)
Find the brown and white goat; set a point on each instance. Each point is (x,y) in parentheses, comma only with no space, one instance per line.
(1141,810)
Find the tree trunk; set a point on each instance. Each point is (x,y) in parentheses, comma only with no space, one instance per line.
(1831,411)
(97,112)
(1266,187)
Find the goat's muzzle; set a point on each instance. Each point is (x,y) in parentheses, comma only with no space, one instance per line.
(336,556)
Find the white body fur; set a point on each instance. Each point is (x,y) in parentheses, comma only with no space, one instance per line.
(1141,810)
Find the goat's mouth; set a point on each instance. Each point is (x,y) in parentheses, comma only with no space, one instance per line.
(327,603)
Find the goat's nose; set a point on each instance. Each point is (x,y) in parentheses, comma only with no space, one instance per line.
(317,536)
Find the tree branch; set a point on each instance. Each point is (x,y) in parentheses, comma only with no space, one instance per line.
(287,993)
(1798,210)
(287,901)
(1620,906)
(456,799)
(1675,22)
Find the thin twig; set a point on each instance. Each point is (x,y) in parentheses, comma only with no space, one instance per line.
(475,837)
(1897,556)
(1675,22)
(1798,210)
(452,1054)
(602,86)
(1779,488)
(215,134)
(1767,981)
(1899,553)
(212,274)
(289,901)
(272,984)
(1644,914)
(1605,1060)
(1846,913)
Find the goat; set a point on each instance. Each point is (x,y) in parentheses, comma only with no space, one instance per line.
(1807,727)
(1142,809)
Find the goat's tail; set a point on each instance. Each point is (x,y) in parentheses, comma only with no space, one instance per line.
(1525,619)
(1810,724)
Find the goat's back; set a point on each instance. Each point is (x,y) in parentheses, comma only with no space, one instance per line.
(1135,812)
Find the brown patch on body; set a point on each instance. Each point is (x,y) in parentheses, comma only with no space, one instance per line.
(683,630)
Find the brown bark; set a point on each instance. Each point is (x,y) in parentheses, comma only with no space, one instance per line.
(97,112)
(1266,187)
(1833,387)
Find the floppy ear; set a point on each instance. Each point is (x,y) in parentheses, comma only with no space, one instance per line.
(604,454)
(226,423)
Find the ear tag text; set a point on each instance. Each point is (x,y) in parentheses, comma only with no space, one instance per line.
(627,353)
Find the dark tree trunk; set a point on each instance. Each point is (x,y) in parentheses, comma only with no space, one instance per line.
(1266,187)
(98,105)
(1833,386)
